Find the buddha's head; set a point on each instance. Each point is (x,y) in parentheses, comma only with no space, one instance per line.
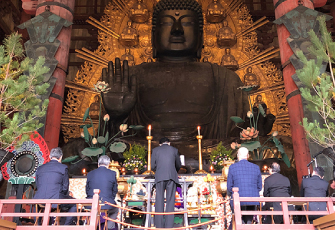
(177,29)
(225,23)
(227,51)
(249,70)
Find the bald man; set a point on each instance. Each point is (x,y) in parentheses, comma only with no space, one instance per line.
(247,177)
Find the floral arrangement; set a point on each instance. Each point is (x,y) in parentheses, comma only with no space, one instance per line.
(219,155)
(135,158)
(205,192)
(209,179)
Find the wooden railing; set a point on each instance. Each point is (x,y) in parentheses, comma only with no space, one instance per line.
(92,215)
(285,201)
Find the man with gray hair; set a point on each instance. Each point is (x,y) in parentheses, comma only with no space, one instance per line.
(276,185)
(247,177)
(52,182)
(104,179)
(315,186)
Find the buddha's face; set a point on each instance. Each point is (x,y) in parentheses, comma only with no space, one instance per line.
(177,34)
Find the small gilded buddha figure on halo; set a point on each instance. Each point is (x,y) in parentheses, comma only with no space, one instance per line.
(250,78)
(95,108)
(139,12)
(228,60)
(215,12)
(129,36)
(127,56)
(225,36)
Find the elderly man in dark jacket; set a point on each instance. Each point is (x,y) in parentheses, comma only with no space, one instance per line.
(52,182)
(166,162)
(276,185)
(104,179)
(315,186)
(247,177)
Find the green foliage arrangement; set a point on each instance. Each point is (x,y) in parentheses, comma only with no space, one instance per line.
(135,158)
(21,87)
(319,89)
(219,155)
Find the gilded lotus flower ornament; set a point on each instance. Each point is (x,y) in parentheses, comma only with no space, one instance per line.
(101,87)
(249,133)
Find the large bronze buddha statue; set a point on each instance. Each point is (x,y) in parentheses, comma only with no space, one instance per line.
(176,93)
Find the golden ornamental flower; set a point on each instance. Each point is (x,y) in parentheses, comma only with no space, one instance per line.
(123,128)
(250,114)
(235,145)
(94,141)
(106,117)
(249,133)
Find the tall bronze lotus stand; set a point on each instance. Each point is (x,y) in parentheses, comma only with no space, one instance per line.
(200,171)
(149,172)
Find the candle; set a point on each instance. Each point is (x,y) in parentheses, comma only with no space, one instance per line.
(211,168)
(198,130)
(84,171)
(149,128)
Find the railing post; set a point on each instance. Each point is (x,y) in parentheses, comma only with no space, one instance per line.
(285,212)
(46,214)
(1,206)
(330,205)
(94,208)
(237,207)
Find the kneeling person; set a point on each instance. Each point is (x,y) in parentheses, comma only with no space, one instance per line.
(104,179)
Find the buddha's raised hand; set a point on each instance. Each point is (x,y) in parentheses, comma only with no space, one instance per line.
(121,97)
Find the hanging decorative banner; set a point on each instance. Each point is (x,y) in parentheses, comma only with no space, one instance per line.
(27,158)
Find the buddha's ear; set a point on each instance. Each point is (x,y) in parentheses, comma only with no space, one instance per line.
(201,46)
(154,51)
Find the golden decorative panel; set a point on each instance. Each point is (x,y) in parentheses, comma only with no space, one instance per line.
(116,25)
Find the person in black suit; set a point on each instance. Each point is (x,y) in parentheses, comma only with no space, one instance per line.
(104,179)
(315,186)
(276,185)
(52,182)
(166,163)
